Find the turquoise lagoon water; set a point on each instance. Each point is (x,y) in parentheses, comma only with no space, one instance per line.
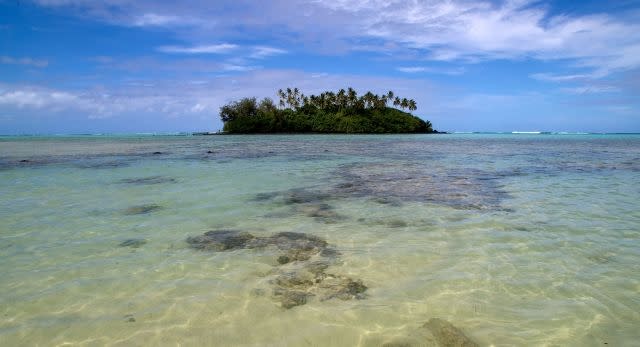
(514,239)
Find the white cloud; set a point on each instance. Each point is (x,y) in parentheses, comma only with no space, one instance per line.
(260,52)
(411,69)
(591,89)
(454,30)
(23,61)
(418,69)
(36,98)
(238,68)
(202,49)
(152,19)
(174,98)
(548,77)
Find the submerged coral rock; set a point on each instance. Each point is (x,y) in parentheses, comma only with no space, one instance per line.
(221,240)
(304,260)
(133,243)
(264,196)
(297,241)
(291,298)
(316,267)
(388,183)
(396,223)
(296,255)
(308,202)
(321,212)
(302,196)
(148,180)
(295,280)
(142,209)
(341,287)
(448,335)
(401,343)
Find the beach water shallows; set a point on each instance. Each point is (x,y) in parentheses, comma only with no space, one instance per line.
(335,240)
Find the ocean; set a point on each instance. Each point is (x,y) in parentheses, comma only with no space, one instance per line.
(320,240)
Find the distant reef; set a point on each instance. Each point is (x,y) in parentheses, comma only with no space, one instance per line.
(329,112)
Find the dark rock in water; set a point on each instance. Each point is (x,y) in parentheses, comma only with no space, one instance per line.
(283,259)
(148,180)
(308,202)
(345,185)
(399,344)
(221,240)
(157,153)
(101,164)
(295,245)
(342,287)
(293,241)
(301,196)
(298,280)
(142,209)
(448,335)
(133,243)
(329,252)
(297,255)
(316,267)
(392,183)
(305,258)
(291,298)
(396,223)
(384,200)
(264,196)
(321,212)
(210,152)
(25,161)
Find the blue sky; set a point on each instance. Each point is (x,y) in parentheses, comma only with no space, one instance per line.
(84,66)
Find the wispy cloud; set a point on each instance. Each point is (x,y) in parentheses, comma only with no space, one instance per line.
(454,30)
(153,19)
(24,61)
(260,52)
(591,89)
(176,98)
(201,49)
(431,70)
(411,69)
(548,77)
(238,68)
(39,98)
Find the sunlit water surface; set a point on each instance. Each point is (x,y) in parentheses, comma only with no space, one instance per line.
(514,239)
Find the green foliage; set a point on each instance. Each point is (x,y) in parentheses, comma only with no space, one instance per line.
(329,112)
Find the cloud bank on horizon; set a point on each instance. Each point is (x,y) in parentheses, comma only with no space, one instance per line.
(77,66)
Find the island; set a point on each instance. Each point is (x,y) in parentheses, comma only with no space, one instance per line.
(329,112)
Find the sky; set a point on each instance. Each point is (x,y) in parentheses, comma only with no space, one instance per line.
(120,66)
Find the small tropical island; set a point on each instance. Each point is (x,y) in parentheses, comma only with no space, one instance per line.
(329,112)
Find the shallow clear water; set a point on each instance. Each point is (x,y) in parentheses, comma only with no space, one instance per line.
(514,239)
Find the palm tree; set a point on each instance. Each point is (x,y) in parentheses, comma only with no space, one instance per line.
(390,95)
(412,105)
(289,97)
(397,101)
(352,97)
(367,99)
(341,98)
(380,102)
(404,103)
(282,98)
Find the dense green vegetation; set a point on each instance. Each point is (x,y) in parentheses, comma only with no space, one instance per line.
(341,112)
